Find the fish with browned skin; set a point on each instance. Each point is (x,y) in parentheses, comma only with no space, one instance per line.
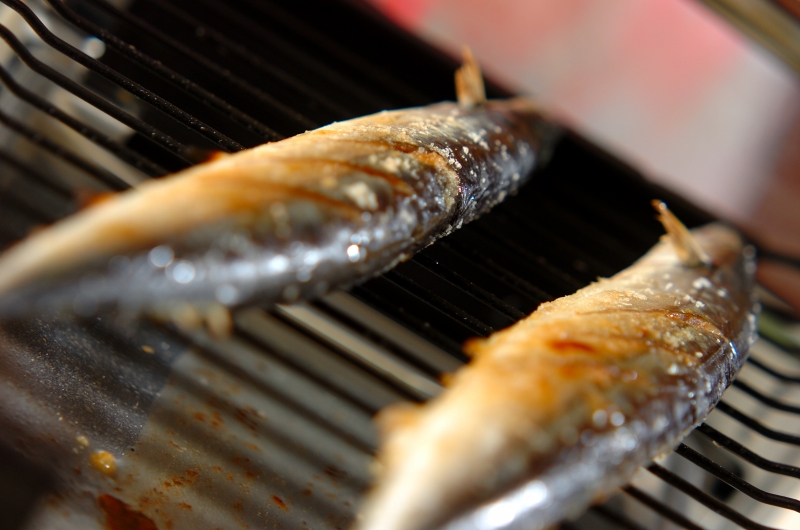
(288,219)
(562,407)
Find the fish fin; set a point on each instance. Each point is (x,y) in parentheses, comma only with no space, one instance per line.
(199,155)
(689,251)
(396,416)
(473,347)
(87,197)
(469,81)
(446,379)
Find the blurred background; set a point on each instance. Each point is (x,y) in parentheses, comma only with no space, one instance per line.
(671,86)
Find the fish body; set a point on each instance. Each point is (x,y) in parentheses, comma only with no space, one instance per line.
(284,220)
(563,407)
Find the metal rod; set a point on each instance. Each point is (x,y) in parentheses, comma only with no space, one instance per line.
(99,173)
(661,508)
(774,403)
(149,132)
(710,502)
(736,482)
(87,131)
(54,185)
(774,373)
(176,79)
(757,426)
(222,141)
(235,48)
(739,450)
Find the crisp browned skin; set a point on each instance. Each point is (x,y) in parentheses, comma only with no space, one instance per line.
(533,390)
(395,181)
(233,185)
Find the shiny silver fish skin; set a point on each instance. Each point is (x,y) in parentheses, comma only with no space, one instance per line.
(285,220)
(562,408)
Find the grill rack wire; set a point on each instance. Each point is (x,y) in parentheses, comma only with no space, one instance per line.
(153,87)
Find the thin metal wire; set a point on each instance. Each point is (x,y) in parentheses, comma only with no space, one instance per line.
(101,174)
(37,215)
(676,517)
(389,83)
(710,502)
(128,155)
(738,449)
(618,519)
(483,295)
(774,403)
(222,141)
(660,508)
(304,59)
(176,79)
(408,284)
(736,482)
(89,97)
(774,373)
(485,259)
(233,47)
(746,420)
(50,183)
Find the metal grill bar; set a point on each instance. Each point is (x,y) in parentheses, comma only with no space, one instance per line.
(315,97)
(734,481)
(219,139)
(114,112)
(369,73)
(394,336)
(103,175)
(88,132)
(774,373)
(174,77)
(697,494)
(617,519)
(660,508)
(774,403)
(739,450)
(54,185)
(757,426)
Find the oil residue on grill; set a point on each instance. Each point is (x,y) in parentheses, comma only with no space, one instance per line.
(120,516)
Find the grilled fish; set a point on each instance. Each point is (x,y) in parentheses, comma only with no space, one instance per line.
(565,405)
(288,219)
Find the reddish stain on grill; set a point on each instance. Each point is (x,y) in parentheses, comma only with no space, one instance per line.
(334,472)
(280,503)
(246,416)
(570,345)
(120,516)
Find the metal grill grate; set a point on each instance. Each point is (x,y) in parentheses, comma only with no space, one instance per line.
(272,427)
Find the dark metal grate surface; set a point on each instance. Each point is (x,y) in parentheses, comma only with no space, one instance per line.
(98,95)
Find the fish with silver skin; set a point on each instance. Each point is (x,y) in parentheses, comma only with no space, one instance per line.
(561,408)
(288,219)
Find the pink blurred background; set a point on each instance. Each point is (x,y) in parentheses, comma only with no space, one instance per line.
(665,84)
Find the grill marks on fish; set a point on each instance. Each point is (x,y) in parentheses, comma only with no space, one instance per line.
(285,220)
(567,403)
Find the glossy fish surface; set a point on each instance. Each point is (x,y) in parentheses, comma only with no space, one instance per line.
(562,407)
(284,220)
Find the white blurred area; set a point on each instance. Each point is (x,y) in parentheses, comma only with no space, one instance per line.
(665,84)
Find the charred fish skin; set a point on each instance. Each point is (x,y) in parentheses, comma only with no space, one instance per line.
(285,220)
(563,407)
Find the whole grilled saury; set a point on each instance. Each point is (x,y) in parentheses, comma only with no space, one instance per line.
(288,219)
(561,408)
